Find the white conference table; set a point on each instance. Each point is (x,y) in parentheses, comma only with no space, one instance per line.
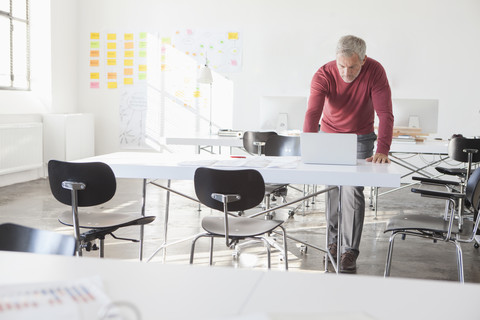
(202,142)
(178,292)
(149,165)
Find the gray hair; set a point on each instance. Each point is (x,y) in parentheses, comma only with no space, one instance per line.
(348,45)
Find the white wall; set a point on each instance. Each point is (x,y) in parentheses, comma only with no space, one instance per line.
(429,49)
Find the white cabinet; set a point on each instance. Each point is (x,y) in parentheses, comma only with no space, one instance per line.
(68,136)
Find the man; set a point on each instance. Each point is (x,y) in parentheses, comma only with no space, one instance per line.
(346,93)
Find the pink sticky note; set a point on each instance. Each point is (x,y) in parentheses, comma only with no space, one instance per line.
(94,85)
(234,62)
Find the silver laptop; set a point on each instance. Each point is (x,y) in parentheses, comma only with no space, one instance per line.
(329,148)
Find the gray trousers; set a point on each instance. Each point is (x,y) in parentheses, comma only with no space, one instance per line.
(353,204)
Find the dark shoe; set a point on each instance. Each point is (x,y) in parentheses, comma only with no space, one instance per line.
(332,248)
(348,262)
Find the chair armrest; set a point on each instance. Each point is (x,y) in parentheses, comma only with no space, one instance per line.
(439,194)
(436,181)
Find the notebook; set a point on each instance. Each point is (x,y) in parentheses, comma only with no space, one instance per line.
(329,148)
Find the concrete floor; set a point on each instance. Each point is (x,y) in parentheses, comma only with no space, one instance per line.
(32,204)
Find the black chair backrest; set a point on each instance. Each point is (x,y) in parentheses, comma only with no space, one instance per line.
(97,176)
(473,189)
(249,137)
(14,237)
(249,184)
(457,145)
(278,145)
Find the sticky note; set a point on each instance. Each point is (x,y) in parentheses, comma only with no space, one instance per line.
(142,44)
(94,63)
(143,35)
(196,94)
(94,75)
(142,67)
(111,45)
(128,36)
(94,85)
(112,85)
(129,54)
(112,75)
(142,54)
(112,62)
(128,71)
(128,81)
(112,36)
(142,76)
(111,54)
(94,44)
(128,62)
(233,36)
(94,53)
(128,45)
(94,35)
(166,40)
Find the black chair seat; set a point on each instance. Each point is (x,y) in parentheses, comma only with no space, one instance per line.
(419,223)
(239,227)
(90,220)
(276,189)
(459,172)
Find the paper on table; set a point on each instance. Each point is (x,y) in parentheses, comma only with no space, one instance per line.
(201,163)
(285,163)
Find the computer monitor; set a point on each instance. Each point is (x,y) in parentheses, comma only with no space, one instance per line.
(282,113)
(416,113)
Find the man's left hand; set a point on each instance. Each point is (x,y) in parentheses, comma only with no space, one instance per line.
(379,158)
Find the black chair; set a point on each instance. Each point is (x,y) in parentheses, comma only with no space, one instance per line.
(14,237)
(282,146)
(435,227)
(84,185)
(254,142)
(232,191)
(466,151)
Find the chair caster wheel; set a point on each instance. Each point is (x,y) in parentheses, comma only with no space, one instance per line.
(303,249)
(476,245)
(291,213)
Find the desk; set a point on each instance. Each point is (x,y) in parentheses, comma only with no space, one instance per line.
(205,141)
(145,165)
(178,292)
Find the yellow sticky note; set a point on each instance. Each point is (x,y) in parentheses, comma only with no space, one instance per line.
(233,36)
(128,71)
(128,45)
(143,35)
(112,36)
(128,36)
(94,63)
(128,81)
(111,54)
(94,53)
(94,44)
(196,93)
(129,54)
(128,62)
(112,62)
(112,85)
(112,75)
(142,67)
(94,35)
(111,45)
(94,75)
(142,76)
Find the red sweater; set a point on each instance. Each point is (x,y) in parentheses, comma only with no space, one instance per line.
(351,107)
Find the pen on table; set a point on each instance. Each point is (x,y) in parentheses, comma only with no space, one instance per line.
(241,157)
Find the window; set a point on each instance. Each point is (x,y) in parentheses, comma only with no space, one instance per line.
(14,45)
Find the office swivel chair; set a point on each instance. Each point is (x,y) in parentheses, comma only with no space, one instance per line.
(232,191)
(466,151)
(435,227)
(14,237)
(254,142)
(84,185)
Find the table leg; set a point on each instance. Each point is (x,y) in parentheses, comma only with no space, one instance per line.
(144,201)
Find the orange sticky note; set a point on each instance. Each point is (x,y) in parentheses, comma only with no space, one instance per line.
(94,35)
(128,71)
(128,62)
(128,36)
(128,45)
(111,54)
(94,53)
(112,85)
(94,63)
(112,75)
(112,62)
(112,36)
(94,75)
(128,81)
(111,45)
(142,67)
